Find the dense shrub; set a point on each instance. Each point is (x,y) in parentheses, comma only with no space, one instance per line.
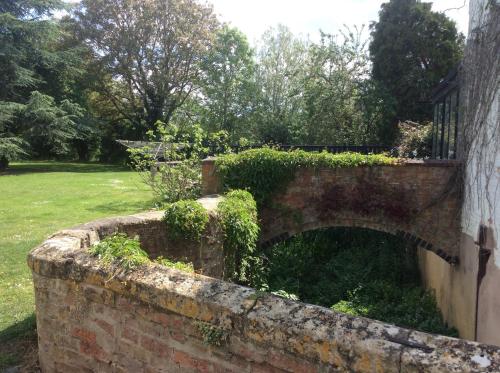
(186,220)
(415,140)
(263,171)
(238,219)
(354,271)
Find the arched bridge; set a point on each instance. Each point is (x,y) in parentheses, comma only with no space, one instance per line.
(417,200)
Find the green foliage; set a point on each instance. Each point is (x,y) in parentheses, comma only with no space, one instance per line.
(238,218)
(212,335)
(186,219)
(180,177)
(264,171)
(50,127)
(409,306)
(337,68)
(415,140)
(228,85)
(120,249)
(181,266)
(413,48)
(165,43)
(355,271)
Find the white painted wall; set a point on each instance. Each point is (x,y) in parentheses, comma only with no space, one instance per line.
(482,204)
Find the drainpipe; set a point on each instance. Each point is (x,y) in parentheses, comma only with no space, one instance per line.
(483,257)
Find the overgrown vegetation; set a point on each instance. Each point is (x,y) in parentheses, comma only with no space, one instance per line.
(186,220)
(415,140)
(238,218)
(264,171)
(360,272)
(127,254)
(120,249)
(212,335)
(181,266)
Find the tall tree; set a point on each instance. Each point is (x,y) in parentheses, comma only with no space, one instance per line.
(281,58)
(30,60)
(152,50)
(228,87)
(337,67)
(412,48)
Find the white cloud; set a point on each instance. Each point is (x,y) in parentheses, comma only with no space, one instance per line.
(306,17)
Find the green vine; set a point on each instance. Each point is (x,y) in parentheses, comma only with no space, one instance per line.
(212,335)
(238,218)
(264,171)
(186,219)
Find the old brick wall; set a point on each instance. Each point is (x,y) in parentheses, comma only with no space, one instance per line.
(154,319)
(417,200)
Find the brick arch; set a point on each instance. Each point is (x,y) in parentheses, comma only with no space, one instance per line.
(415,200)
(281,236)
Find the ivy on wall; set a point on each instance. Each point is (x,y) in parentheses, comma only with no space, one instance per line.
(238,218)
(264,171)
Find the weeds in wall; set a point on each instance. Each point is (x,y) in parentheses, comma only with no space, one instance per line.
(120,249)
(264,171)
(212,335)
(181,266)
(127,254)
(186,220)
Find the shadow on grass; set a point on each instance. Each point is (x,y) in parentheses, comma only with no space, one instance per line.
(52,166)
(18,345)
(20,329)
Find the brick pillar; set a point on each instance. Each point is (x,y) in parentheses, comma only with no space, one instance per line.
(211,183)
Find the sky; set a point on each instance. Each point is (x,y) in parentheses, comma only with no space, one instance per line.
(306,17)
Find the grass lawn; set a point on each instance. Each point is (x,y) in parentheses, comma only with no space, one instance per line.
(37,199)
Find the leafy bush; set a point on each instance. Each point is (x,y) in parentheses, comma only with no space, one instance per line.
(178,175)
(181,266)
(355,271)
(186,219)
(415,140)
(409,306)
(264,171)
(119,248)
(238,218)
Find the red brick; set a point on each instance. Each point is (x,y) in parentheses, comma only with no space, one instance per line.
(130,334)
(155,346)
(107,327)
(185,360)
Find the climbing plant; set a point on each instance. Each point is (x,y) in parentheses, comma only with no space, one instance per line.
(238,218)
(264,171)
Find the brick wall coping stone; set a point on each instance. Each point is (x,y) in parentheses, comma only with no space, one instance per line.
(316,334)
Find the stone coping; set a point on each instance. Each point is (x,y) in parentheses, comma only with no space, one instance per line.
(314,333)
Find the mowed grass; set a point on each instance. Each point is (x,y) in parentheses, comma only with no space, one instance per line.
(40,198)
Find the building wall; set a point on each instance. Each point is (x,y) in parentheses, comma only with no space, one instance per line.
(482,162)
